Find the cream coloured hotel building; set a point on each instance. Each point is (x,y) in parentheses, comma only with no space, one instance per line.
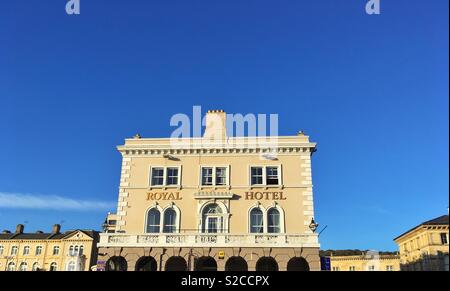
(213,203)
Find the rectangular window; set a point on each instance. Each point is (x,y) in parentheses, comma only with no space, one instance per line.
(38,250)
(157,176)
(444,239)
(352,268)
(26,250)
(272,176)
(221,176)
(257,175)
(56,250)
(1,250)
(14,250)
(371,268)
(336,269)
(172,176)
(207,176)
(389,268)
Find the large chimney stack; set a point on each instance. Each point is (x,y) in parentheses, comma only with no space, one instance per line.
(20,228)
(56,228)
(216,125)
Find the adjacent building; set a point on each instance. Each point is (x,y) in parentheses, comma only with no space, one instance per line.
(213,203)
(368,261)
(74,250)
(425,247)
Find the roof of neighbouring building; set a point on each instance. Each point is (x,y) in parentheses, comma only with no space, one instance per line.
(441,220)
(44,236)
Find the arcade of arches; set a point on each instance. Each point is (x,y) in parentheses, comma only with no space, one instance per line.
(195,261)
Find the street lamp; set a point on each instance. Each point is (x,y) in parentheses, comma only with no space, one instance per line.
(313,225)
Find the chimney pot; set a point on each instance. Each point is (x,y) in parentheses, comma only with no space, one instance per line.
(20,228)
(56,228)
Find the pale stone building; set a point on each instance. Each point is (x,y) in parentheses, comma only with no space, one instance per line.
(425,247)
(214,203)
(74,250)
(365,262)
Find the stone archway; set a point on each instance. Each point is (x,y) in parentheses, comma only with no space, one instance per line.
(236,264)
(297,264)
(176,263)
(266,264)
(116,263)
(205,264)
(146,264)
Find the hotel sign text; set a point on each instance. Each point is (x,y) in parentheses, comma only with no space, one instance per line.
(264,196)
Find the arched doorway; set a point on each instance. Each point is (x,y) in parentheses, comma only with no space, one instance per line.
(298,264)
(116,263)
(146,264)
(176,264)
(205,264)
(236,264)
(266,264)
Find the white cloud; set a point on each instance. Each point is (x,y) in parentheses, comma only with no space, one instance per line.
(31,201)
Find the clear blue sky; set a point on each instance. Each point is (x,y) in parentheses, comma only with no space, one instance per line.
(372,91)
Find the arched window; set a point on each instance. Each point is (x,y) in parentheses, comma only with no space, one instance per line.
(153,220)
(23,266)
(35,266)
(53,267)
(212,219)
(71,266)
(273,221)
(256,221)
(170,221)
(11,266)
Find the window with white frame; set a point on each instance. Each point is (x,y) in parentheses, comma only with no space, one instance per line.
(352,268)
(23,266)
(172,176)
(71,266)
(371,268)
(38,250)
(256,221)
(157,176)
(35,266)
(76,250)
(389,268)
(2,248)
(272,176)
(170,221)
(214,176)
(273,221)
(14,250)
(165,176)
(11,266)
(26,250)
(53,267)
(221,176)
(336,269)
(265,175)
(153,220)
(257,175)
(56,250)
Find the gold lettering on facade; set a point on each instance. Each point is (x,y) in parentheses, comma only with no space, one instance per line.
(164,196)
(264,195)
